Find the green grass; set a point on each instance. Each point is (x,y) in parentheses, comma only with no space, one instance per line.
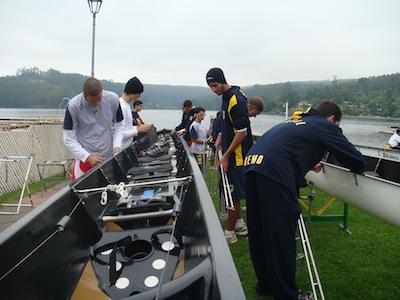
(33,188)
(363,265)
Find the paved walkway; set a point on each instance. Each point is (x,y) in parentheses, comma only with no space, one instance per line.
(37,199)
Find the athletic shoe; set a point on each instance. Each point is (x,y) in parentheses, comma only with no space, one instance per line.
(305,296)
(230,236)
(223,216)
(241,230)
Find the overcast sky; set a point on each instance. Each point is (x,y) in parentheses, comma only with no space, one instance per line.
(177,41)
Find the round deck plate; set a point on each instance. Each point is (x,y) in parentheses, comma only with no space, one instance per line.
(167,246)
(158,264)
(151,281)
(122,283)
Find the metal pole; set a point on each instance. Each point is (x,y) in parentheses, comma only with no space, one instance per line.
(93,40)
(287,110)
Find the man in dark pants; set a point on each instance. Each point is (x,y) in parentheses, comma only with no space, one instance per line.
(275,167)
(187,119)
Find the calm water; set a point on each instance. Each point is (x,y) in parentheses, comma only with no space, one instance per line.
(358,131)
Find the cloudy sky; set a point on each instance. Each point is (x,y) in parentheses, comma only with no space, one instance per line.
(177,41)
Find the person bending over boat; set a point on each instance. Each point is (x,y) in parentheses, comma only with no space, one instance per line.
(394,140)
(274,168)
(198,136)
(132,91)
(92,126)
(236,140)
(255,106)
(137,107)
(187,119)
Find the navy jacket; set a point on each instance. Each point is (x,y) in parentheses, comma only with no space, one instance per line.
(235,118)
(187,119)
(286,152)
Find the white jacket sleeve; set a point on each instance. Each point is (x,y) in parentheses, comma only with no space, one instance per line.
(128,133)
(72,144)
(118,129)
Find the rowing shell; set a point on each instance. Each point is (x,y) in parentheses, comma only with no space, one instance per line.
(376,196)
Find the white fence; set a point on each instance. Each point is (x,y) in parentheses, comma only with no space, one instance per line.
(43,142)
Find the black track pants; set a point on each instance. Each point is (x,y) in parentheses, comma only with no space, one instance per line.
(272,213)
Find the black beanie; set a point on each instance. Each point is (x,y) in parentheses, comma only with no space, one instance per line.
(215,75)
(133,86)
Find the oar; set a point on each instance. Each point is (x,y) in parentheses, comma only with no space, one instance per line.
(225,185)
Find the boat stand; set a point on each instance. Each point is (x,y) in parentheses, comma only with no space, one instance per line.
(319,216)
(15,159)
(64,164)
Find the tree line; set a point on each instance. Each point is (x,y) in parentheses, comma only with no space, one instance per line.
(373,96)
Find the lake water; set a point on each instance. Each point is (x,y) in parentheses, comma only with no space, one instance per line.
(359,131)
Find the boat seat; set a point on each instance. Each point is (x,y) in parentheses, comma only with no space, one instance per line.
(146,205)
(140,170)
(145,159)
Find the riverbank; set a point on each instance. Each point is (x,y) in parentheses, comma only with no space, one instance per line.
(37,196)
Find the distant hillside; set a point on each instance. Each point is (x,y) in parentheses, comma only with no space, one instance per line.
(46,89)
(378,95)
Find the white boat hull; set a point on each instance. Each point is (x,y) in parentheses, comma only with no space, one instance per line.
(386,154)
(376,196)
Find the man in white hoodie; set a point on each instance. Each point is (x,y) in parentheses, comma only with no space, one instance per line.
(132,91)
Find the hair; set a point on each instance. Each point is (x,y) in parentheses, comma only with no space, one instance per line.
(198,109)
(257,102)
(398,130)
(329,108)
(92,87)
(187,103)
(137,103)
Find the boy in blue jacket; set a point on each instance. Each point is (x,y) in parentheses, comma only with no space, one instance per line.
(274,169)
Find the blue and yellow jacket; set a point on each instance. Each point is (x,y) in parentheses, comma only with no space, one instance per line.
(286,152)
(235,118)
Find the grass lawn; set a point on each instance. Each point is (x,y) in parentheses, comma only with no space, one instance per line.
(363,265)
(33,188)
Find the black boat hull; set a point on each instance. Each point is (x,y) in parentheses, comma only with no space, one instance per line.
(44,256)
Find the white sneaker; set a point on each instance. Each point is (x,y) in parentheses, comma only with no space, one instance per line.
(305,296)
(241,230)
(230,236)
(241,227)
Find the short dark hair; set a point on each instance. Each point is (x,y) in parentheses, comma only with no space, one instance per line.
(137,103)
(257,102)
(329,108)
(198,109)
(92,87)
(187,103)
(398,130)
